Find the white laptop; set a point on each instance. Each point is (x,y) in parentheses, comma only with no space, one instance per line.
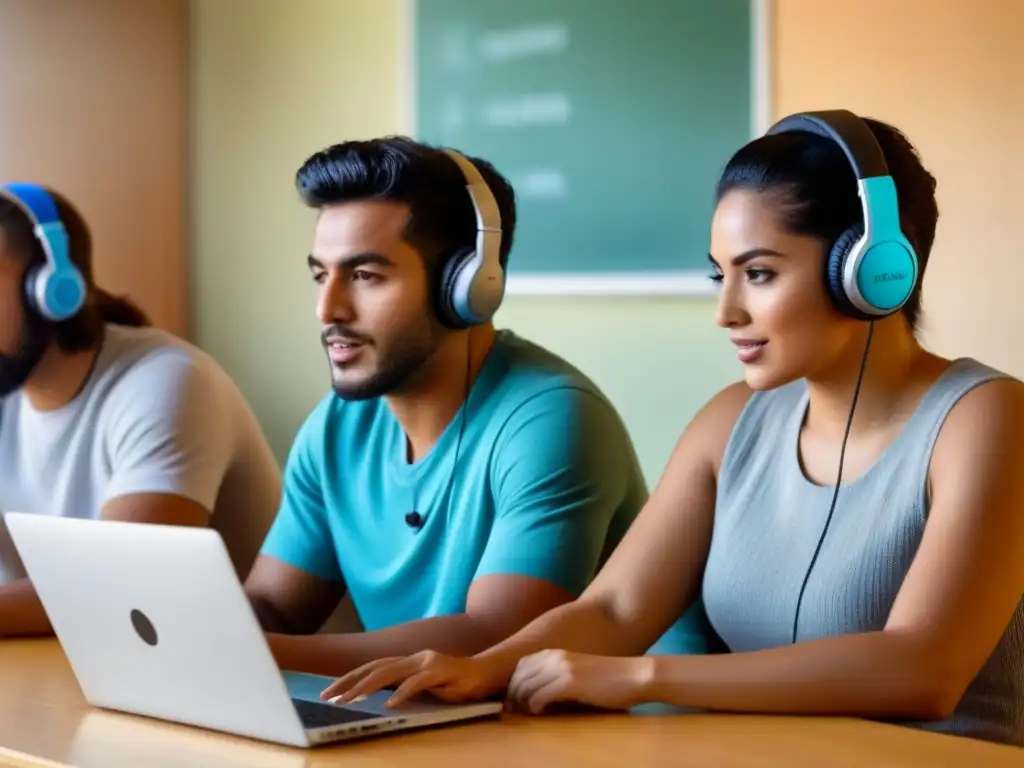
(154,621)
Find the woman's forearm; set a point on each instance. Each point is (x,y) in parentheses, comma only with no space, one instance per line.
(877,674)
(583,626)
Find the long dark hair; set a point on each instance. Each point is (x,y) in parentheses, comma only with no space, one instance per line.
(84,330)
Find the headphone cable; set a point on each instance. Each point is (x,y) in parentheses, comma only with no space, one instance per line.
(839,480)
(462,429)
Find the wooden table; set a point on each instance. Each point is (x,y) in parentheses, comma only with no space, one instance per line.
(44,721)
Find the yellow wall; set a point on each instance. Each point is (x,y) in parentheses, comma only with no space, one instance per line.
(276,80)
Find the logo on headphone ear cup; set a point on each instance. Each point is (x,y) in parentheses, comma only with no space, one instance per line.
(453,299)
(886,275)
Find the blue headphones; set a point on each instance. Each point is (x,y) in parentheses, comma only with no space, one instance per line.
(872,269)
(55,289)
(472,284)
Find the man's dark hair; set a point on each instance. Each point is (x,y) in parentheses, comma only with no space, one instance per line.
(84,330)
(396,168)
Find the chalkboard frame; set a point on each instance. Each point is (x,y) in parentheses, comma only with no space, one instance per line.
(678,283)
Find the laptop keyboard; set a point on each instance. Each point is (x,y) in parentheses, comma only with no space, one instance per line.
(316,715)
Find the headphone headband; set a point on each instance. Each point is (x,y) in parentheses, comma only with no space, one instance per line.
(473,281)
(55,289)
(871,270)
(845,129)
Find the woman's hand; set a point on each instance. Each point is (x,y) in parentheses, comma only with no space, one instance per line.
(604,682)
(447,678)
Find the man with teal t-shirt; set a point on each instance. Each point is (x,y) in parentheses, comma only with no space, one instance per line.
(459,481)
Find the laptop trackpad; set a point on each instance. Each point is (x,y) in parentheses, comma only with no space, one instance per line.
(302,685)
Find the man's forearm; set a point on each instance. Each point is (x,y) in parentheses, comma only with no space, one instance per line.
(455,635)
(21,613)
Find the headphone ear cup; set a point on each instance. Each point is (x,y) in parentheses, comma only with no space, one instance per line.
(30,290)
(835,266)
(448,302)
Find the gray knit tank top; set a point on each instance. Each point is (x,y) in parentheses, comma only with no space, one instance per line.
(769,518)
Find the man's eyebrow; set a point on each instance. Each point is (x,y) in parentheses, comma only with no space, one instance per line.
(746,256)
(353,261)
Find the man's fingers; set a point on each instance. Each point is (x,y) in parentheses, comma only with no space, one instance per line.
(383,676)
(346,681)
(413,685)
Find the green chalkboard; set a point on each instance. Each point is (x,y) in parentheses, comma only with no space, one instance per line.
(612,118)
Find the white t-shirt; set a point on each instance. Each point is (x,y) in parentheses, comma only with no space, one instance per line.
(157,415)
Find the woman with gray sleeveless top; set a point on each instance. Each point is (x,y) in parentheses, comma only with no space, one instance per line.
(852,514)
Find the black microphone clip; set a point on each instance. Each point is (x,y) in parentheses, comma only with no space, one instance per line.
(414,520)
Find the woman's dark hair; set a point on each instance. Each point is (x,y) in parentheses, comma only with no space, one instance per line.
(817,191)
(84,330)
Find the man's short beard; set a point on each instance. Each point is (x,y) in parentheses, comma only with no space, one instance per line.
(395,370)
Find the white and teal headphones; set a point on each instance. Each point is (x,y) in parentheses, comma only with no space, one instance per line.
(54,289)
(871,270)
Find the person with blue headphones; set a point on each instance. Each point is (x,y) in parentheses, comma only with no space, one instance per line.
(458,480)
(104,416)
(852,513)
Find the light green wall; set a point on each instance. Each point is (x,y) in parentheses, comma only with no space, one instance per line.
(277,79)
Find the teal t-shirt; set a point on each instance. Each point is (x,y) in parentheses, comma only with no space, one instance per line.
(540,480)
